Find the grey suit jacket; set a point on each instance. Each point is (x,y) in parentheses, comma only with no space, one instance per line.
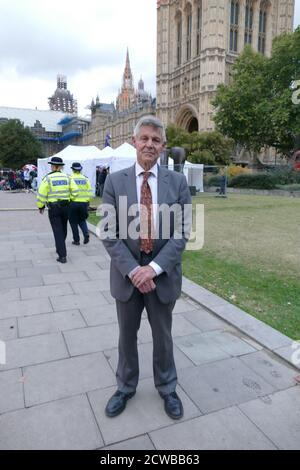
(168,247)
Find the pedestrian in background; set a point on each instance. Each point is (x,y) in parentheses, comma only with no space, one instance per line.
(54,192)
(81,194)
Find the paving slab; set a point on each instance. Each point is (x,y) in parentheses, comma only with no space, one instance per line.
(34,350)
(100,315)
(205,321)
(222,384)
(7,295)
(278,373)
(37,271)
(92,339)
(183,306)
(19,308)
(7,273)
(77,301)
(78,266)
(224,430)
(143,413)
(67,424)
(50,323)
(15,265)
(12,283)
(278,417)
(95,274)
(137,443)
(62,278)
(67,377)
(54,290)
(11,396)
(8,329)
(230,342)
(90,286)
(200,349)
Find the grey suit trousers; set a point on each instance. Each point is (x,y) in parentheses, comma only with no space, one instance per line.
(160,319)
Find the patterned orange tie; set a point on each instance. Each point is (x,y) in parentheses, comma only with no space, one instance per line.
(146,220)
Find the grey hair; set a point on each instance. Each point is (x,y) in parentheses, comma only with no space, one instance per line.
(150,121)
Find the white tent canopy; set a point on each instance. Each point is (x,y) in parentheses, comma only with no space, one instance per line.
(88,156)
(122,157)
(116,159)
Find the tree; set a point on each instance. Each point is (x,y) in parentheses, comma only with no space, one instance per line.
(283,74)
(239,112)
(18,145)
(210,148)
(257,108)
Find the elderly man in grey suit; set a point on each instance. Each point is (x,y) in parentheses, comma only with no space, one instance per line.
(146,270)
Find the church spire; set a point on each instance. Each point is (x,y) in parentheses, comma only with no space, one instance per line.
(127,75)
(126,97)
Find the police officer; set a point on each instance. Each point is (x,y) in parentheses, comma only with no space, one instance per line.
(81,194)
(54,192)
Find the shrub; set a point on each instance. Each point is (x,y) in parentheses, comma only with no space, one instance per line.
(236,170)
(285,175)
(214,181)
(254,181)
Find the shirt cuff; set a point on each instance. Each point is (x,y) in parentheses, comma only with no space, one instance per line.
(156,268)
(133,272)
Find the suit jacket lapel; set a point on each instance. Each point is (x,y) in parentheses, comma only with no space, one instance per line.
(162,190)
(131,186)
(162,185)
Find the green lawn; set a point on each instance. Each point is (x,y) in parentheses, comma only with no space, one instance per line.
(251,256)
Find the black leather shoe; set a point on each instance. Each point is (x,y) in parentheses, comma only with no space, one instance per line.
(62,260)
(173,405)
(76,243)
(117,403)
(86,239)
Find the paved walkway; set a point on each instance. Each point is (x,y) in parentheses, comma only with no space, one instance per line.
(59,326)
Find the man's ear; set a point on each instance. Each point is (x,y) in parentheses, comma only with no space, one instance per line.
(133,140)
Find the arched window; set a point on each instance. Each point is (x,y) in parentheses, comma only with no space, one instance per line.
(179,38)
(262,30)
(188,32)
(248,22)
(199,27)
(234,25)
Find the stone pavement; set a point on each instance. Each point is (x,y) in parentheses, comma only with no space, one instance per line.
(59,326)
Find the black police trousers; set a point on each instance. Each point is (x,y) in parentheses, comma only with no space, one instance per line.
(78,213)
(58,216)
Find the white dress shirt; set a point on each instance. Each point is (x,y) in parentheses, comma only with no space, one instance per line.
(152,181)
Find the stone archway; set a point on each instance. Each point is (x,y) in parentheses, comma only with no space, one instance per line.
(187,119)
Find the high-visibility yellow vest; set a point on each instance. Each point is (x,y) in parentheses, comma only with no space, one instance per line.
(80,186)
(54,187)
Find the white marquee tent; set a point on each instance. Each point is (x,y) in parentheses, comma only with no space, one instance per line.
(116,159)
(89,156)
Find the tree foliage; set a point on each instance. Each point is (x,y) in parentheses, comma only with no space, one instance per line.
(210,148)
(256,109)
(18,145)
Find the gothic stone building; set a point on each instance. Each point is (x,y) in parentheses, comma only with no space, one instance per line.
(119,121)
(197,43)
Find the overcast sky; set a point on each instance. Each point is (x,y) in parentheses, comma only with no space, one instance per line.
(86,41)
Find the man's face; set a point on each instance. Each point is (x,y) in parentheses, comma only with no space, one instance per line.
(149,145)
